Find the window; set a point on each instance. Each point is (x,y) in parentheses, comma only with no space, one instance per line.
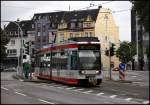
(39,33)
(86,34)
(32,25)
(38,25)
(14,51)
(80,25)
(72,25)
(90,34)
(12,42)
(71,35)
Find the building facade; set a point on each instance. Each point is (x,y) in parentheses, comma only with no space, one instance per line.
(14,45)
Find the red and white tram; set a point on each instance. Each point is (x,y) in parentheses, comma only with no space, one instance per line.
(77,61)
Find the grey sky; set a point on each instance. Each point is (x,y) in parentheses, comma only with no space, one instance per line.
(24,10)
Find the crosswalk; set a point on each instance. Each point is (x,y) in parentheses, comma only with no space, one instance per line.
(90,91)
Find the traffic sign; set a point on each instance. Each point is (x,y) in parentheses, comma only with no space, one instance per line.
(122,66)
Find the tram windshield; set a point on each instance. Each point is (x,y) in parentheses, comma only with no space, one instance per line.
(89,60)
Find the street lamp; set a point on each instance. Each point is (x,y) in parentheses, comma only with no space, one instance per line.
(21,55)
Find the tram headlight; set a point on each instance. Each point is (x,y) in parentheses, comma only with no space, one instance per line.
(82,71)
(97,71)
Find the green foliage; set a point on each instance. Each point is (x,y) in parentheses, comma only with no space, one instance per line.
(142,8)
(126,51)
(4,41)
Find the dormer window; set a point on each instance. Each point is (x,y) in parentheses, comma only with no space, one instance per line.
(72,25)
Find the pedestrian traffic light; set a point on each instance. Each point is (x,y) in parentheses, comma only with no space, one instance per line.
(107,52)
(112,49)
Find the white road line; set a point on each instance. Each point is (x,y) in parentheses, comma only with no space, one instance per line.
(134,76)
(87,91)
(78,89)
(4,88)
(99,94)
(17,89)
(60,87)
(70,88)
(128,99)
(113,96)
(45,101)
(145,102)
(20,79)
(20,93)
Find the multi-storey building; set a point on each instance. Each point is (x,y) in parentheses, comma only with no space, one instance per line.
(14,45)
(143,42)
(84,23)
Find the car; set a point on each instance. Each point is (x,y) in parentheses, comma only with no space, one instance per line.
(116,69)
(10,69)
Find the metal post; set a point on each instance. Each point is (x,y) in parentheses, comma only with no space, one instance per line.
(109,61)
(137,41)
(51,62)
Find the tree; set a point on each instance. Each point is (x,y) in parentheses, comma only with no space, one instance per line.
(4,41)
(126,51)
(142,9)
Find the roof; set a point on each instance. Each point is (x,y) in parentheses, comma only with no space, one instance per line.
(68,16)
(25,25)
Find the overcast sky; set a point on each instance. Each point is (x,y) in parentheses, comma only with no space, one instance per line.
(24,10)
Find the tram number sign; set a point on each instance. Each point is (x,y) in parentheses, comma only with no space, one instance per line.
(89,47)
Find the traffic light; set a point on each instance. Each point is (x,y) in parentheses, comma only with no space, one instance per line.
(107,52)
(26,45)
(112,49)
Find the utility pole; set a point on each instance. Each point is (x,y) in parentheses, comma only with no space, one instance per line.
(109,60)
(137,41)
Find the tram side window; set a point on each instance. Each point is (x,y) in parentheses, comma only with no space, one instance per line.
(74,60)
(63,60)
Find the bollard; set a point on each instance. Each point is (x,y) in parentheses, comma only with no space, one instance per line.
(122,67)
(121,74)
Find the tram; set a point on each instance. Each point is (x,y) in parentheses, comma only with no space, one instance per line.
(76,61)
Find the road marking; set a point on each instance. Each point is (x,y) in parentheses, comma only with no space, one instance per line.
(45,101)
(99,94)
(128,99)
(4,88)
(20,79)
(87,91)
(134,76)
(78,89)
(145,102)
(17,89)
(71,88)
(20,93)
(113,96)
(60,87)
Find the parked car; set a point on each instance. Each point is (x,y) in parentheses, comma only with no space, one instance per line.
(116,69)
(10,69)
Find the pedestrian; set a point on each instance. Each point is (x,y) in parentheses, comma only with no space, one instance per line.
(26,69)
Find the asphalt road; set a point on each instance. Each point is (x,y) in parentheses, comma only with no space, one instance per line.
(109,92)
